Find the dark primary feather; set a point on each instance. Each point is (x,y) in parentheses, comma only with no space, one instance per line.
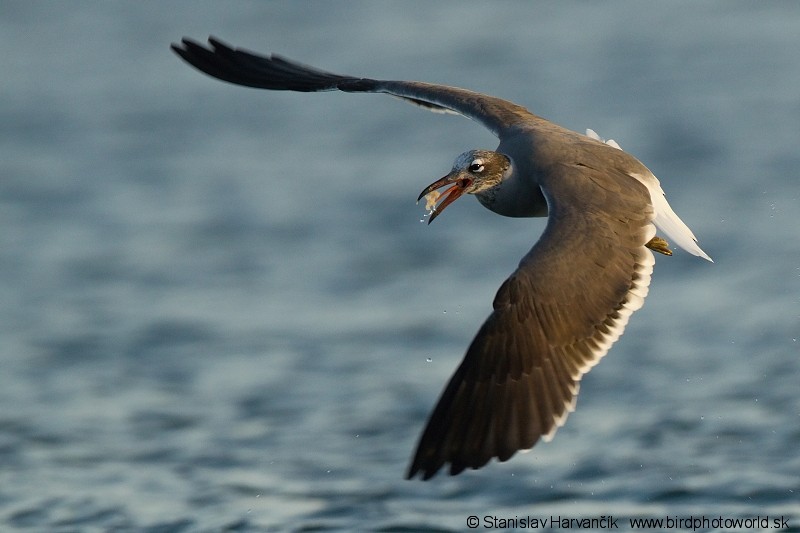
(245,68)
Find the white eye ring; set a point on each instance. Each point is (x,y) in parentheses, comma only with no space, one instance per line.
(476,166)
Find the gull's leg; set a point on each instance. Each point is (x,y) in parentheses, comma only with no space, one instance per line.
(657,244)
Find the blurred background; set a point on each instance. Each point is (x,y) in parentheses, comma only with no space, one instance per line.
(220,308)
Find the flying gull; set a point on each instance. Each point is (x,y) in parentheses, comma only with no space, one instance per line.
(573,292)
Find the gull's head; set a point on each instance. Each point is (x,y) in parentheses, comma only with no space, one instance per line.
(474,172)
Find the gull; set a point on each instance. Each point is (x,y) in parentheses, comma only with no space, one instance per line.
(572,294)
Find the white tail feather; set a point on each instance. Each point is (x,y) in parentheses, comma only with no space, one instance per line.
(666,220)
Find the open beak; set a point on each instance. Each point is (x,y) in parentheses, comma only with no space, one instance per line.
(458,184)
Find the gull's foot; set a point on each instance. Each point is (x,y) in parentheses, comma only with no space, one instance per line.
(657,244)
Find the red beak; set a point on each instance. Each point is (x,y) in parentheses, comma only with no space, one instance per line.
(458,186)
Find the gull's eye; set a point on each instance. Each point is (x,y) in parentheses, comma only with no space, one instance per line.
(476,166)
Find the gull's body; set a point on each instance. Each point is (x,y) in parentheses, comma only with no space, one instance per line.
(573,293)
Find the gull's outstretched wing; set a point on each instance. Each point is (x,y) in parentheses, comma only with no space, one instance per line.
(553,319)
(276,73)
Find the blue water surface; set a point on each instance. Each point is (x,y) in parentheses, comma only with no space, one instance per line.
(220,311)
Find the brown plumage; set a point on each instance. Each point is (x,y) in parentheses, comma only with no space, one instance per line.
(572,294)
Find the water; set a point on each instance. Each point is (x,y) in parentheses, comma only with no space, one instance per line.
(219,310)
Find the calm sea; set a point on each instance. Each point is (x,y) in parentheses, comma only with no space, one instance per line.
(219,310)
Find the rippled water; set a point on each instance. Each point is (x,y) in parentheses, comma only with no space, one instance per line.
(220,311)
